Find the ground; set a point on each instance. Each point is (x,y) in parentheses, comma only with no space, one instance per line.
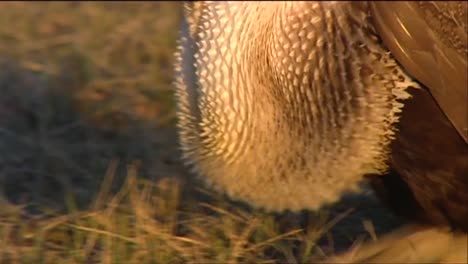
(89,160)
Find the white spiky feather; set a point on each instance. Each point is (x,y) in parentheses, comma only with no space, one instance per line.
(285,105)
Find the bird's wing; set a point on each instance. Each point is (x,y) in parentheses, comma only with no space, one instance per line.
(429,39)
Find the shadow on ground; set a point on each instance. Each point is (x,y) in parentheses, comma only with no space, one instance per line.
(51,148)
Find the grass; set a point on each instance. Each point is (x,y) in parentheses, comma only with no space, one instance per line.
(89,164)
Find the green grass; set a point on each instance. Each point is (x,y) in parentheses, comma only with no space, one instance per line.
(89,163)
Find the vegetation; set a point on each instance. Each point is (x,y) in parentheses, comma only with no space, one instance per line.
(89,164)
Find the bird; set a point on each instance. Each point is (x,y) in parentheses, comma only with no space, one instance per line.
(291,105)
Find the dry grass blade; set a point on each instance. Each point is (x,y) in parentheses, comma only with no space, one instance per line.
(273,239)
(106,185)
(242,240)
(223,212)
(105,233)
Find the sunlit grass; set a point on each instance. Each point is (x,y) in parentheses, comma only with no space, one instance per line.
(155,222)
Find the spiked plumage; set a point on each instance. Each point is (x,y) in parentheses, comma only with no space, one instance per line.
(296,98)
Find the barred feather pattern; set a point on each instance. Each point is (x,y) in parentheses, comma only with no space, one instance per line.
(285,105)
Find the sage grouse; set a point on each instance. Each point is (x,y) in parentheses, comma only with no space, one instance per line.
(289,105)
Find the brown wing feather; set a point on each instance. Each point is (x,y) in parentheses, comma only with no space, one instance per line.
(429,39)
(428,180)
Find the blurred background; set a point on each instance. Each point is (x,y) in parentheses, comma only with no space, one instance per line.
(89,161)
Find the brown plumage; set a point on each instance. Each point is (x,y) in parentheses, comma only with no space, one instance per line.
(428,180)
(430,160)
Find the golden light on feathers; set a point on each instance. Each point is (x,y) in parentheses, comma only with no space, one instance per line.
(285,105)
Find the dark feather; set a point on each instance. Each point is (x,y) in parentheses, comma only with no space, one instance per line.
(428,180)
